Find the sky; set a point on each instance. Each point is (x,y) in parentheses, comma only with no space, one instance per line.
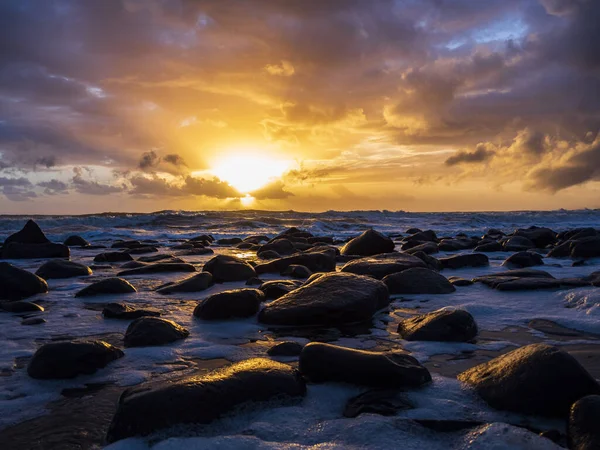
(415,105)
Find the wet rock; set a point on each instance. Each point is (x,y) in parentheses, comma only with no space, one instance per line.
(195,283)
(541,237)
(229,241)
(112,257)
(148,408)
(381,265)
(428,235)
(133,265)
(33,321)
(328,299)
(230,304)
(17,250)
(428,248)
(523,259)
(489,247)
(17,284)
(315,261)
(369,243)
(279,246)
(69,359)
(228,268)
(465,260)
(458,281)
(586,248)
(297,271)
(287,348)
(76,241)
(277,288)
(125,312)
(413,230)
(198,251)
(418,280)
(127,244)
(21,307)
(517,244)
(62,268)
(254,281)
(448,325)
(112,285)
(584,424)
(151,331)
(325,362)
(451,245)
(158,268)
(269,254)
(535,379)
(142,250)
(528,284)
(385,402)
(561,251)
(31,233)
(430,262)
(165,257)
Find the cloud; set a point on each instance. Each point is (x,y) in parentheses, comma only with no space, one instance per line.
(54,187)
(91,187)
(284,69)
(274,190)
(175,159)
(479,155)
(156,186)
(149,160)
(17,189)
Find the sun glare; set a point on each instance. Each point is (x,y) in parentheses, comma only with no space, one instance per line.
(250,172)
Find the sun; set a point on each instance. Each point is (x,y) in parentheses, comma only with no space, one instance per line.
(248,172)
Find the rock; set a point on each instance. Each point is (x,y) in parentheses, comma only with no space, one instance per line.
(534,379)
(448,325)
(418,280)
(151,331)
(230,304)
(369,243)
(385,402)
(269,254)
(62,268)
(31,233)
(228,268)
(76,241)
(280,246)
(69,359)
(158,268)
(489,247)
(112,257)
(411,231)
(33,321)
(523,259)
(126,312)
(254,281)
(21,307)
(195,283)
(17,250)
(133,265)
(325,362)
(541,237)
(328,299)
(297,271)
(528,284)
(583,429)
(17,284)
(314,261)
(425,236)
(277,288)
(517,244)
(588,247)
(229,241)
(381,265)
(458,281)
(561,250)
(198,251)
(165,257)
(464,260)
(145,409)
(451,245)
(127,244)
(428,248)
(287,348)
(430,262)
(107,286)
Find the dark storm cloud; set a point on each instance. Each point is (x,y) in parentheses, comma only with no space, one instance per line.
(175,159)
(149,160)
(479,155)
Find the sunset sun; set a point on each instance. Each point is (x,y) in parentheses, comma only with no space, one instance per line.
(248,172)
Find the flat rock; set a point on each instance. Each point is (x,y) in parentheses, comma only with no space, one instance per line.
(162,257)
(126,312)
(523,259)
(465,260)
(328,299)
(195,283)
(458,281)
(226,268)
(17,250)
(62,268)
(145,409)
(385,402)
(21,307)
(33,321)
(369,243)
(17,283)
(584,424)
(381,265)
(517,244)
(158,268)
(418,280)
(151,331)
(534,379)
(69,359)
(325,362)
(448,325)
(323,261)
(112,285)
(230,304)
(112,257)
(489,247)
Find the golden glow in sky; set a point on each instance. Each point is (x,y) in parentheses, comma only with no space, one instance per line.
(249,171)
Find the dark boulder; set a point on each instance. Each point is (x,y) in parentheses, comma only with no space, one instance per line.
(111,257)
(517,244)
(126,312)
(489,247)
(322,261)
(541,237)
(465,260)
(76,241)
(381,265)
(33,321)
(586,248)
(280,246)
(62,268)
(584,424)
(159,267)
(325,362)
(458,281)
(21,307)
(287,348)
(229,241)
(430,262)
(418,280)
(328,299)
(195,283)
(69,359)
(369,243)
(31,233)
(385,402)
(107,286)
(428,248)
(150,331)
(448,325)
(230,304)
(297,271)
(226,268)
(127,244)
(523,259)
(451,245)
(201,399)
(17,250)
(269,254)
(165,257)
(17,284)
(562,250)
(535,379)
(428,235)
(274,289)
